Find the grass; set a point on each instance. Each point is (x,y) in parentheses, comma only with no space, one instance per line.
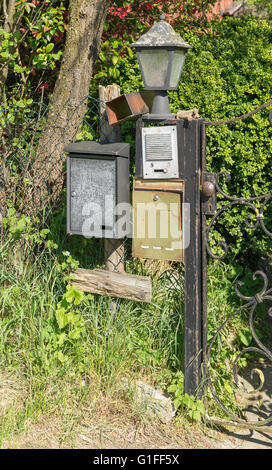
(135,340)
(61,372)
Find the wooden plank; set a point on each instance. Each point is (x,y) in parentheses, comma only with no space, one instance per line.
(126,286)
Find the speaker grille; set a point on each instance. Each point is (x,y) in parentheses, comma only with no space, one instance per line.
(158,146)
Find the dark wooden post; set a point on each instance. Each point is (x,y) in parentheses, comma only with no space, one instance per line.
(190,141)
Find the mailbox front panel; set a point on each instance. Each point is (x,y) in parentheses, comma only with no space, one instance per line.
(157,220)
(90,180)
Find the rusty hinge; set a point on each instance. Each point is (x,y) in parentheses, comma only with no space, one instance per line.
(208,191)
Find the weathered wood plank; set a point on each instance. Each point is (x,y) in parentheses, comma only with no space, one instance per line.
(126,286)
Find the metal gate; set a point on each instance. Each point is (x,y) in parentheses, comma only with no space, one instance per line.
(197,349)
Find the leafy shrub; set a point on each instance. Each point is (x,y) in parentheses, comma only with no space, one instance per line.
(32,50)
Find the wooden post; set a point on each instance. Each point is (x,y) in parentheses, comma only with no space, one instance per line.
(108,134)
(190,140)
(114,249)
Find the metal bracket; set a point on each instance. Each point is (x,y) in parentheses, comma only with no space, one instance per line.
(208,193)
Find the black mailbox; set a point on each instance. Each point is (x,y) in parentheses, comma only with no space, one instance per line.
(97,188)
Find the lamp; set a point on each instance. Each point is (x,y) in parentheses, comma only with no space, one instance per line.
(161,55)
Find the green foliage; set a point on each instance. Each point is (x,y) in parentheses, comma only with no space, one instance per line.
(229,74)
(70,321)
(33,49)
(263,7)
(50,329)
(22,227)
(191,406)
(128,20)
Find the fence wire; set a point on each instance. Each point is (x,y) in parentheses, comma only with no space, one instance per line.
(23,174)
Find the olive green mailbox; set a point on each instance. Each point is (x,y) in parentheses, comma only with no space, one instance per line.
(157,219)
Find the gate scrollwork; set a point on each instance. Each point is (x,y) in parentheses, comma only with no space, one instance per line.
(256,206)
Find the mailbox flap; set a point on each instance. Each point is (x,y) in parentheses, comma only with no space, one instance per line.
(116,149)
(161,185)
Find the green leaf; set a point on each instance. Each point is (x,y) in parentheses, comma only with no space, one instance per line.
(5,44)
(188,400)
(115,44)
(49,47)
(5,55)
(130,53)
(61,317)
(201,407)
(62,338)
(115,59)
(61,357)
(177,402)
(245,337)
(79,296)
(196,416)
(18,68)
(74,334)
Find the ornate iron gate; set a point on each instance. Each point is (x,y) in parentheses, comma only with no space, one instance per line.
(210,214)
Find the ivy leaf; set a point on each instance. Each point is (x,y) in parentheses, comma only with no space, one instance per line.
(130,53)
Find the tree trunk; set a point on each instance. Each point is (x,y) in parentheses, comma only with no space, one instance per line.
(8,11)
(68,102)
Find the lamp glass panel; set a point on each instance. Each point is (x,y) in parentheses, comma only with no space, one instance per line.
(177,66)
(155,66)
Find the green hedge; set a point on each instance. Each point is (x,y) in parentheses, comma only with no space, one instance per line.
(227,73)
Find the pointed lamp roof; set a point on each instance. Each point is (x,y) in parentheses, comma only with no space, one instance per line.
(161,35)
